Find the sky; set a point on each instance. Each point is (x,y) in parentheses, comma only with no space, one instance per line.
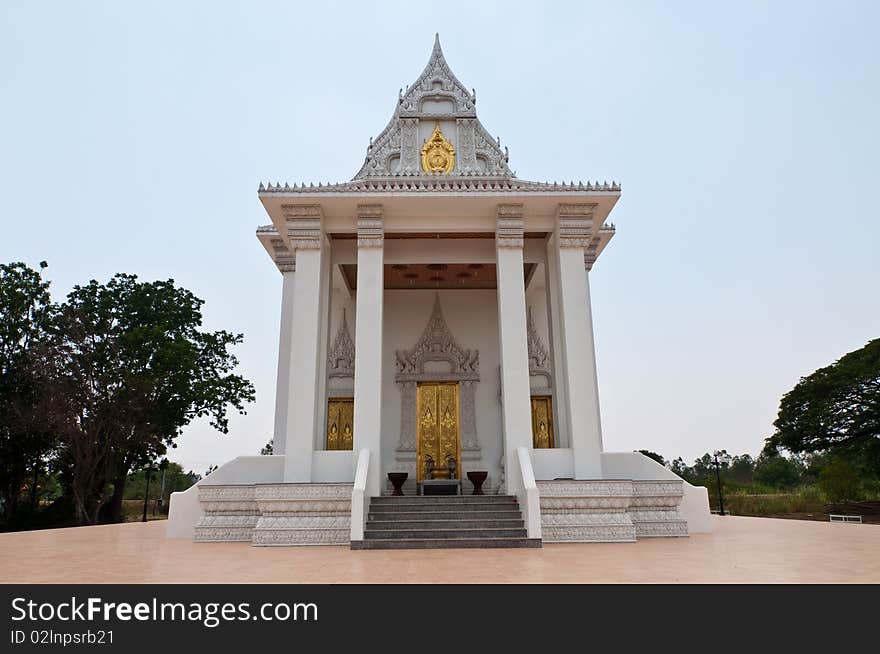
(133,137)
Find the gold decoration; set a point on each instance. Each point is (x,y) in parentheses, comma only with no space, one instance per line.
(438,155)
(542,422)
(340,424)
(438,432)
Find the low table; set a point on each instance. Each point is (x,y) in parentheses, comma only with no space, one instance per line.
(441,486)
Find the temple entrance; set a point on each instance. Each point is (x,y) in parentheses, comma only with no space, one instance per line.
(542,422)
(438,450)
(340,424)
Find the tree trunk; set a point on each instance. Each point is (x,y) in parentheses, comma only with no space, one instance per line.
(114,505)
(34,486)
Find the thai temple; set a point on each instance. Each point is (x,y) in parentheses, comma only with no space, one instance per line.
(437,381)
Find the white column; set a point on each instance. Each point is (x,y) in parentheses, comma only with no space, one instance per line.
(516,415)
(306,238)
(573,230)
(282,384)
(368,342)
(560,396)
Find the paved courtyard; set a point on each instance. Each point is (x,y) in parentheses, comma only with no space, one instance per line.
(740,550)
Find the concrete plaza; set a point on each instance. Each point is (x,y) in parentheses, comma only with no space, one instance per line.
(740,550)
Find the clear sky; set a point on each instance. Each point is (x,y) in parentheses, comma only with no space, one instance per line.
(133,137)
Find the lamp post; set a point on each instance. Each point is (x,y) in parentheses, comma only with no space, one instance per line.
(718,479)
(149,469)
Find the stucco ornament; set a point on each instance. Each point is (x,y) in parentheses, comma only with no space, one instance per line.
(437,95)
(438,154)
(340,360)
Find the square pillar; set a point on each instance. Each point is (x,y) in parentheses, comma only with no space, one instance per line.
(574,225)
(560,396)
(516,417)
(368,342)
(285,341)
(306,239)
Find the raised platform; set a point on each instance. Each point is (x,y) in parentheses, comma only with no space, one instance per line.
(275,514)
(608,510)
(320,514)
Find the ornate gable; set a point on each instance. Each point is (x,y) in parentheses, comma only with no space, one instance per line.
(436,100)
(438,344)
(340,360)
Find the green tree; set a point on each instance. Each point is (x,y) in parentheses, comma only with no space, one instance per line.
(129,369)
(836,410)
(839,481)
(777,472)
(26,437)
(268,448)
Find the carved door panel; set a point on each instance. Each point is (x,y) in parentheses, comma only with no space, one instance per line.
(340,424)
(542,422)
(438,431)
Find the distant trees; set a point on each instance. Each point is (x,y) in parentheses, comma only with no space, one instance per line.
(839,481)
(777,472)
(110,378)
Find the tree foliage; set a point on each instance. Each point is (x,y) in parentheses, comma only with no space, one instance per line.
(836,409)
(26,438)
(104,383)
(839,481)
(129,368)
(777,472)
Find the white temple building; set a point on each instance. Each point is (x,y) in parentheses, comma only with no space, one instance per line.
(436,321)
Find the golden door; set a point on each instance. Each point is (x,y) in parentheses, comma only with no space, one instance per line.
(542,422)
(340,424)
(438,436)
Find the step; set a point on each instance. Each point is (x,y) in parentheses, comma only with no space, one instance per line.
(444,543)
(443,499)
(478,532)
(421,514)
(402,507)
(510,523)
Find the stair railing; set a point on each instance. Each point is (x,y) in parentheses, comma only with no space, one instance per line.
(359,497)
(529,498)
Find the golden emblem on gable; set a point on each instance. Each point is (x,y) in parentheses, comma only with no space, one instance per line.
(438,155)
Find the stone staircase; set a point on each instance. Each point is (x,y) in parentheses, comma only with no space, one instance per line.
(454,521)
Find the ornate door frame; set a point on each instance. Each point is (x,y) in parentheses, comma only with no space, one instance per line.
(437,344)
